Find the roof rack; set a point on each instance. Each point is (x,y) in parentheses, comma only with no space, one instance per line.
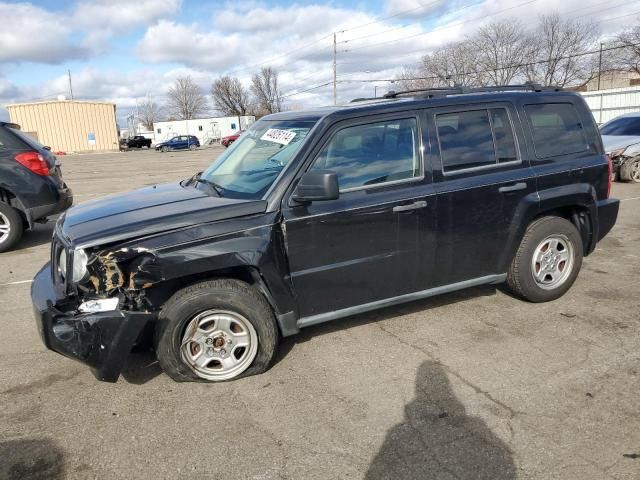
(460,90)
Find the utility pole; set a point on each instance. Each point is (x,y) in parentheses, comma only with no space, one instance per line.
(600,67)
(70,86)
(335,74)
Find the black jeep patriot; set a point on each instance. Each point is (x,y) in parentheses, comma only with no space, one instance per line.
(314,216)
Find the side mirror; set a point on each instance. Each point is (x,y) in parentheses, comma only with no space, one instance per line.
(317,186)
(46,147)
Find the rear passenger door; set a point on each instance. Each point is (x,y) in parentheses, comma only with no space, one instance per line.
(480,178)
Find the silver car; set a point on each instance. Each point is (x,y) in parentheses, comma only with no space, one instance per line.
(621,138)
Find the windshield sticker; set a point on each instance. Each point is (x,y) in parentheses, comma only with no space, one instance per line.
(282,137)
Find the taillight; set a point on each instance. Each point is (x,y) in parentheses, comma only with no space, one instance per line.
(610,175)
(34,162)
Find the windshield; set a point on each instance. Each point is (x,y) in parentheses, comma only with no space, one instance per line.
(622,126)
(249,167)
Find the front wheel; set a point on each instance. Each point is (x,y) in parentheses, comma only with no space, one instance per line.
(165,149)
(548,260)
(214,331)
(630,170)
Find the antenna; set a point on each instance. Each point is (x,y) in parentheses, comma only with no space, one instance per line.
(70,85)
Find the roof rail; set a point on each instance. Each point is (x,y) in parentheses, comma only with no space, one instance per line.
(459,90)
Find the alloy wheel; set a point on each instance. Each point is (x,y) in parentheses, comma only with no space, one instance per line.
(5,228)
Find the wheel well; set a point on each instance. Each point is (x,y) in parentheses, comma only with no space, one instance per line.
(160,293)
(10,199)
(581,219)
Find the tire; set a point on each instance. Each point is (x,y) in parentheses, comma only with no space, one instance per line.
(208,304)
(11,227)
(164,149)
(536,256)
(630,170)
(192,147)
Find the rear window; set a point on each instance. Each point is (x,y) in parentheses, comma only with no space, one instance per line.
(30,141)
(557,129)
(622,126)
(475,138)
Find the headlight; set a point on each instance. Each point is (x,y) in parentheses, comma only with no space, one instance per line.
(62,263)
(79,265)
(617,152)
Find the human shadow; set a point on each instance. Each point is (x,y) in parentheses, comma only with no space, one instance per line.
(438,440)
(33,459)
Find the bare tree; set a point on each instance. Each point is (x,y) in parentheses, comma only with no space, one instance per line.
(628,57)
(264,86)
(148,113)
(500,48)
(230,97)
(455,64)
(185,99)
(556,46)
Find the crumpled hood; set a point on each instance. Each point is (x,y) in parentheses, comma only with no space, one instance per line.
(614,142)
(149,210)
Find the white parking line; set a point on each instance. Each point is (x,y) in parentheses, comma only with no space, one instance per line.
(16,283)
(627,199)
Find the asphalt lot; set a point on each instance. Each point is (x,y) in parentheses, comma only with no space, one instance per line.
(471,385)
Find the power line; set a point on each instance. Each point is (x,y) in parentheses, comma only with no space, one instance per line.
(441,28)
(405,26)
(476,72)
(421,50)
(291,94)
(397,14)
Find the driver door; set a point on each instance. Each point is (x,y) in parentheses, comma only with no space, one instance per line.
(362,247)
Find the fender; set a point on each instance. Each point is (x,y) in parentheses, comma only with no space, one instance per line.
(154,268)
(581,195)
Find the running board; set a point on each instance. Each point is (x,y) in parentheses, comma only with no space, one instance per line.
(409,297)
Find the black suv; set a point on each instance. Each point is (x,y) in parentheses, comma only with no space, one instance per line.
(31,185)
(318,215)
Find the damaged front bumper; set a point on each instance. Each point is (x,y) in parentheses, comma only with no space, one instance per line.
(101,340)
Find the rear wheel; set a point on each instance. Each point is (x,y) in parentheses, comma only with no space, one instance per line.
(11,227)
(630,170)
(192,147)
(548,260)
(214,331)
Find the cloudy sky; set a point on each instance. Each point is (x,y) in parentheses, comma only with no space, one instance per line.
(124,50)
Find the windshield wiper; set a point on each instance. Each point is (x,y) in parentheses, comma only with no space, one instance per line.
(216,188)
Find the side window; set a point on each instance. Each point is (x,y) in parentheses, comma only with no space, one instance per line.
(373,153)
(475,138)
(557,129)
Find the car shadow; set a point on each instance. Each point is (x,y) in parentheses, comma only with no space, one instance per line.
(39,235)
(141,367)
(438,439)
(39,459)
(395,311)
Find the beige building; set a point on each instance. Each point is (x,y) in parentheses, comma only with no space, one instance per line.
(69,125)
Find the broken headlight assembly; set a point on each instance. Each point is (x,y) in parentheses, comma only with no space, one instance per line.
(79,267)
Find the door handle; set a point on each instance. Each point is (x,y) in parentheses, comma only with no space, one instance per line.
(513,188)
(412,206)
